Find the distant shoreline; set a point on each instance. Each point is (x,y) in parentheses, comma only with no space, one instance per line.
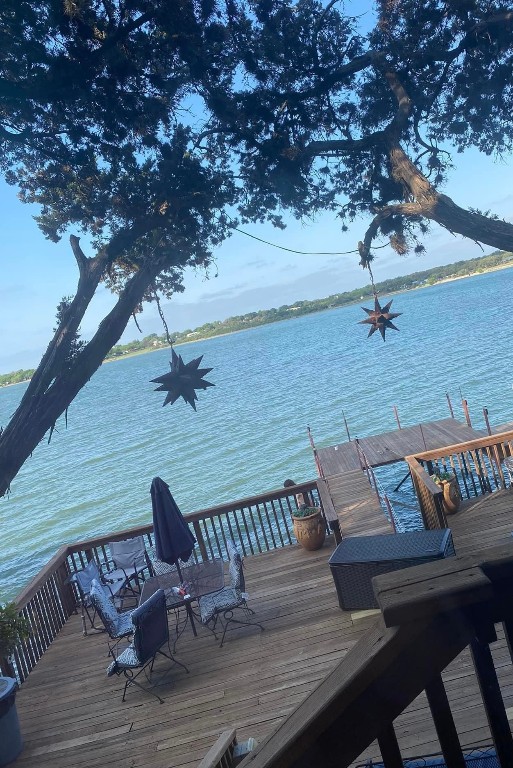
(136,353)
(284,320)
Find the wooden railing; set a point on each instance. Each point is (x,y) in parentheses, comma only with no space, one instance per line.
(476,464)
(429,495)
(255,524)
(430,614)
(221,753)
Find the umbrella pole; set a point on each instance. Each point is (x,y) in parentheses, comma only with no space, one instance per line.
(179,570)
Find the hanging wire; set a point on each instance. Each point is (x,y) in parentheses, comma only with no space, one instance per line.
(374,291)
(301,253)
(161,313)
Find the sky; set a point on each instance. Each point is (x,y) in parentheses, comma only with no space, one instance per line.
(248,275)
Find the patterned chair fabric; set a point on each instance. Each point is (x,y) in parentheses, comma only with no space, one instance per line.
(151,633)
(83,580)
(157,567)
(117,624)
(224,600)
(223,603)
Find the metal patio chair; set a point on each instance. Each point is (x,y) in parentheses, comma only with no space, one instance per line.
(129,560)
(157,567)
(151,634)
(220,606)
(117,625)
(82,581)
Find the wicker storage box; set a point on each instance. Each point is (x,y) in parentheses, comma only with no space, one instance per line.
(356,560)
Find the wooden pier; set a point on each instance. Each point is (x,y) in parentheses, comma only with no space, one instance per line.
(358,509)
(390,447)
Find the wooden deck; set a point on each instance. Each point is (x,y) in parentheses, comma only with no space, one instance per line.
(358,509)
(390,447)
(72,714)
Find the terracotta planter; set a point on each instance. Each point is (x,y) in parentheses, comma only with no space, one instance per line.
(452,497)
(310,531)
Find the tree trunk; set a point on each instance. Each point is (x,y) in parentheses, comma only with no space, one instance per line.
(440,208)
(38,412)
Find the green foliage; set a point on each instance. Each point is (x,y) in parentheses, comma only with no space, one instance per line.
(149,126)
(440,476)
(13,629)
(306,511)
(16,377)
(74,342)
(95,127)
(329,117)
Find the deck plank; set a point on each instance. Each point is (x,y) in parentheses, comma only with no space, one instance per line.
(358,509)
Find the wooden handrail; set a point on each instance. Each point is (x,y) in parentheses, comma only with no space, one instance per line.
(480,442)
(220,755)
(475,464)
(191,517)
(41,578)
(430,614)
(250,501)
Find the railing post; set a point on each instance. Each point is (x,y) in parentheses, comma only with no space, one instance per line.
(444,723)
(487,422)
(389,748)
(491,693)
(199,538)
(390,512)
(466,412)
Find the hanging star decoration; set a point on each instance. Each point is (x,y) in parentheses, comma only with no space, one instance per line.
(380,318)
(183,380)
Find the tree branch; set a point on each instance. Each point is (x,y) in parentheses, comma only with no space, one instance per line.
(429,204)
(37,414)
(411,210)
(80,257)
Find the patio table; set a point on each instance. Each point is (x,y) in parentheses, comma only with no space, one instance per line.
(199,579)
(358,559)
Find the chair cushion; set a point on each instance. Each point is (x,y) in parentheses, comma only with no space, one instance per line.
(235,571)
(84,578)
(126,660)
(102,601)
(218,602)
(124,624)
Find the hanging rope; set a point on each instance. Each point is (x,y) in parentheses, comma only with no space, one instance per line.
(161,313)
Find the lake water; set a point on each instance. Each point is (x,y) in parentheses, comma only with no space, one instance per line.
(249,432)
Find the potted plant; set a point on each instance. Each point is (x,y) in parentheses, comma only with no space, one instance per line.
(13,628)
(451,492)
(309,527)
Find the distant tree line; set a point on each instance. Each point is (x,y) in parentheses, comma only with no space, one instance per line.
(304,307)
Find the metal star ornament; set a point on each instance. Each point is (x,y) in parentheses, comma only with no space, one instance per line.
(380,318)
(183,380)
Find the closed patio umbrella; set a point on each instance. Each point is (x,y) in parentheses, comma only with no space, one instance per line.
(173,539)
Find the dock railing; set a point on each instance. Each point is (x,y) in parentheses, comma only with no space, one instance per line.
(430,614)
(256,524)
(476,464)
